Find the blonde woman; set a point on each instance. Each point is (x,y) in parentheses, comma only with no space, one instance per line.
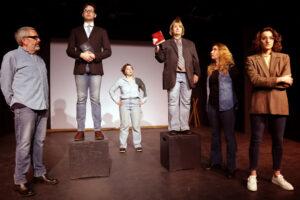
(221,105)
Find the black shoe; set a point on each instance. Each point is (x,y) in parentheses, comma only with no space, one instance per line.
(45,179)
(122,150)
(230,174)
(139,149)
(214,167)
(24,190)
(173,132)
(186,132)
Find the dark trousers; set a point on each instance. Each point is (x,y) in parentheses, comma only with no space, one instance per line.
(276,125)
(225,120)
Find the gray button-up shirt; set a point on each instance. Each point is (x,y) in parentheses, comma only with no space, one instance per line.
(128,89)
(23,79)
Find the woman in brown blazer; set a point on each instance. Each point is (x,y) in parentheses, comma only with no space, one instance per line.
(270,74)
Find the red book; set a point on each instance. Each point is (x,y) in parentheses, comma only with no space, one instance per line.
(158,38)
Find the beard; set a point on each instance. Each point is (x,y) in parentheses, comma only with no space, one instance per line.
(37,47)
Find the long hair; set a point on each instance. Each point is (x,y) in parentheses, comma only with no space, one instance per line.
(225,60)
(277,47)
(177,20)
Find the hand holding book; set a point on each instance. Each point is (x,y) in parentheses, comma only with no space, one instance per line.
(157,38)
(87,52)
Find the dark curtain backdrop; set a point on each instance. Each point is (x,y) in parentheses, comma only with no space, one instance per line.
(233,24)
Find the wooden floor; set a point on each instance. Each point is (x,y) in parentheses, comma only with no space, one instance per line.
(140,176)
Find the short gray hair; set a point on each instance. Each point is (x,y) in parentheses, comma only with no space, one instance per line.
(21,33)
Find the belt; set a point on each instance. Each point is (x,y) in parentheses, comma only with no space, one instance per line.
(130,98)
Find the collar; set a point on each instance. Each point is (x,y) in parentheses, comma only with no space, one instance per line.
(88,24)
(26,51)
(125,79)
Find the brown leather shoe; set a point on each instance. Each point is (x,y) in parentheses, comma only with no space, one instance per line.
(79,136)
(99,135)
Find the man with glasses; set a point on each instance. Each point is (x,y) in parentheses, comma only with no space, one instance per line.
(23,80)
(88,45)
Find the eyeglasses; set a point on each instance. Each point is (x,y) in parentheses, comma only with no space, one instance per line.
(88,11)
(35,37)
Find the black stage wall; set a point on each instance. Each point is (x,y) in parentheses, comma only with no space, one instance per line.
(234,24)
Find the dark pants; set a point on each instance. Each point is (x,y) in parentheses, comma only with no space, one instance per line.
(276,125)
(225,120)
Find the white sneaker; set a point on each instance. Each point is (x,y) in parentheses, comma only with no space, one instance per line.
(252,183)
(279,180)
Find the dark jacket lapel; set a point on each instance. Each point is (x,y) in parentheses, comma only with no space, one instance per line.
(174,46)
(82,31)
(185,48)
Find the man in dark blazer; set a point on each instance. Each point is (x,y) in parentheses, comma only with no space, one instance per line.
(88,45)
(181,73)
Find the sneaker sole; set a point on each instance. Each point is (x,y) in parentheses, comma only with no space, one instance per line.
(252,190)
(274,182)
(123,151)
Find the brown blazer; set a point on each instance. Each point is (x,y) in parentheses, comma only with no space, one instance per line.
(168,54)
(100,43)
(268,97)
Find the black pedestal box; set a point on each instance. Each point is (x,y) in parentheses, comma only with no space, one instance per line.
(89,158)
(180,151)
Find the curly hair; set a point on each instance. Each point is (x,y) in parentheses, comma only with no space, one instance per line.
(124,68)
(225,60)
(277,47)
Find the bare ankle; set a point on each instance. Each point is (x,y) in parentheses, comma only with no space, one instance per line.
(253,173)
(277,173)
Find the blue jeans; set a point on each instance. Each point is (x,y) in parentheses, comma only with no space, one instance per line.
(276,125)
(30,130)
(179,104)
(130,110)
(85,83)
(222,120)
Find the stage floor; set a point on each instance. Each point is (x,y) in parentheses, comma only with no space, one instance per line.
(140,176)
